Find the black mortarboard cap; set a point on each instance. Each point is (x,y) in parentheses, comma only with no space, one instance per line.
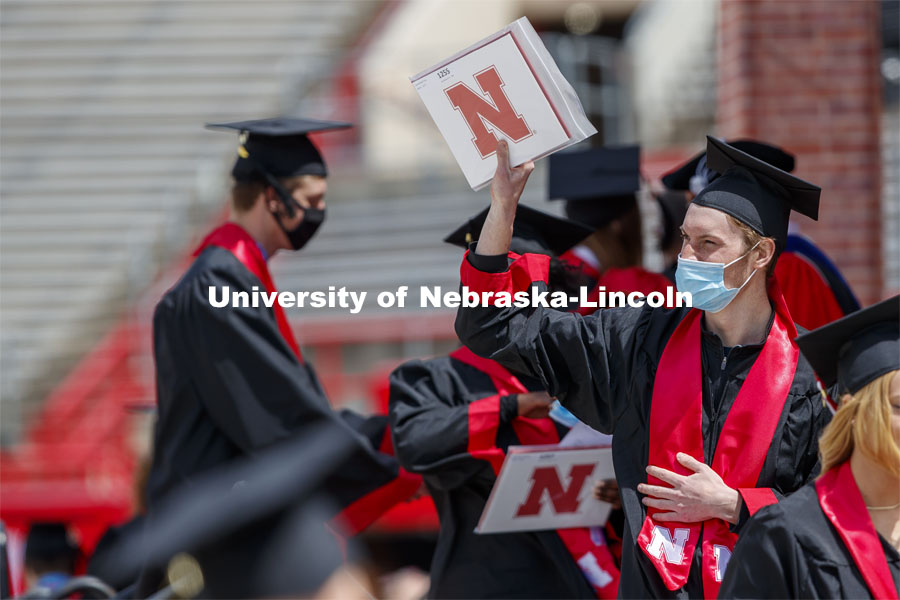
(756,193)
(279,146)
(680,178)
(857,349)
(534,231)
(598,185)
(256,527)
(49,541)
(673,206)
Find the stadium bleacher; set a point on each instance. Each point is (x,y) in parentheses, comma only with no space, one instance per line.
(105,170)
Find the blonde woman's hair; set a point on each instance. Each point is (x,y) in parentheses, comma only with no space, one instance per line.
(863,421)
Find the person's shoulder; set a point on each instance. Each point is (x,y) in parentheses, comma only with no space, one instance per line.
(216,264)
(798,521)
(780,521)
(427,367)
(207,278)
(796,504)
(793,517)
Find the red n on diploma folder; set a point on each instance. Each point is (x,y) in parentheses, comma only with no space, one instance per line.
(547,487)
(505,86)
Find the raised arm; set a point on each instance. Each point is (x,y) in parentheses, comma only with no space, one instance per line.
(584,361)
(506,189)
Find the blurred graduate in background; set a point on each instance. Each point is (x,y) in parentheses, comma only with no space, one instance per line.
(453,418)
(231,381)
(600,189)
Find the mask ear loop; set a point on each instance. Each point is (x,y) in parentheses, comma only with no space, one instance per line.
(744,255)
(746,281)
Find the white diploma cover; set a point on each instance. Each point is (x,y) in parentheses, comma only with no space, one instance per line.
(505,86)
(547,487)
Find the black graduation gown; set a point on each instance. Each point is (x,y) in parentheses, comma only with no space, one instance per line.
(228,385)
(429,412)
(602,368)
(791,550)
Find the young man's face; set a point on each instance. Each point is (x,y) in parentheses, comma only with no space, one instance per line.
(708,235)
(308,191)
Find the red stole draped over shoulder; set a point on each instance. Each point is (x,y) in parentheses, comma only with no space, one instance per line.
(593,559)
(676,426)
(235,239)
(845,508)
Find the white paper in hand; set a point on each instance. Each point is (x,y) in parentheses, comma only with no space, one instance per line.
(506,86)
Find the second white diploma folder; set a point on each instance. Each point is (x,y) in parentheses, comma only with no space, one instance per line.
(505,86)
(547,487)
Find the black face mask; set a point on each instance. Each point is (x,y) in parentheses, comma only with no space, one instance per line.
(312,217)
(302,233)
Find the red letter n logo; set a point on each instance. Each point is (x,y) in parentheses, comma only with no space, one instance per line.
(477,111)
(563,500)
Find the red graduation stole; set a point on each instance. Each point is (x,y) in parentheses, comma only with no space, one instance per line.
(235,239)
(676,426)
(842,503)
(591,558)
(365,510)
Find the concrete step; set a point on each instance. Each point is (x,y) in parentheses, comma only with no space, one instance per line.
(67,13)
(153,148)
(174,71)
(198,111)
(180,31)
(217,49)
(123,239)
(121,91)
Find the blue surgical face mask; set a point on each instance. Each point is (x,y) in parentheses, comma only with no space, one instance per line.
(706,282)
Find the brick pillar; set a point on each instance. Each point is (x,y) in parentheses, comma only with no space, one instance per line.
(804,75)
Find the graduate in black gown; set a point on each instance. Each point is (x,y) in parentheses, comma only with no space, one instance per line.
(453,418)
(713,412)
(838,537)
(232,380)
(600,188)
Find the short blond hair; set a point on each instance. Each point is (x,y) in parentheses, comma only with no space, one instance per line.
(863,421)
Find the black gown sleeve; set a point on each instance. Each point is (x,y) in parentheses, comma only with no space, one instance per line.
(253,387)
(489,263)
(586,362)
(247,377)
(432,424)
(767,561)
